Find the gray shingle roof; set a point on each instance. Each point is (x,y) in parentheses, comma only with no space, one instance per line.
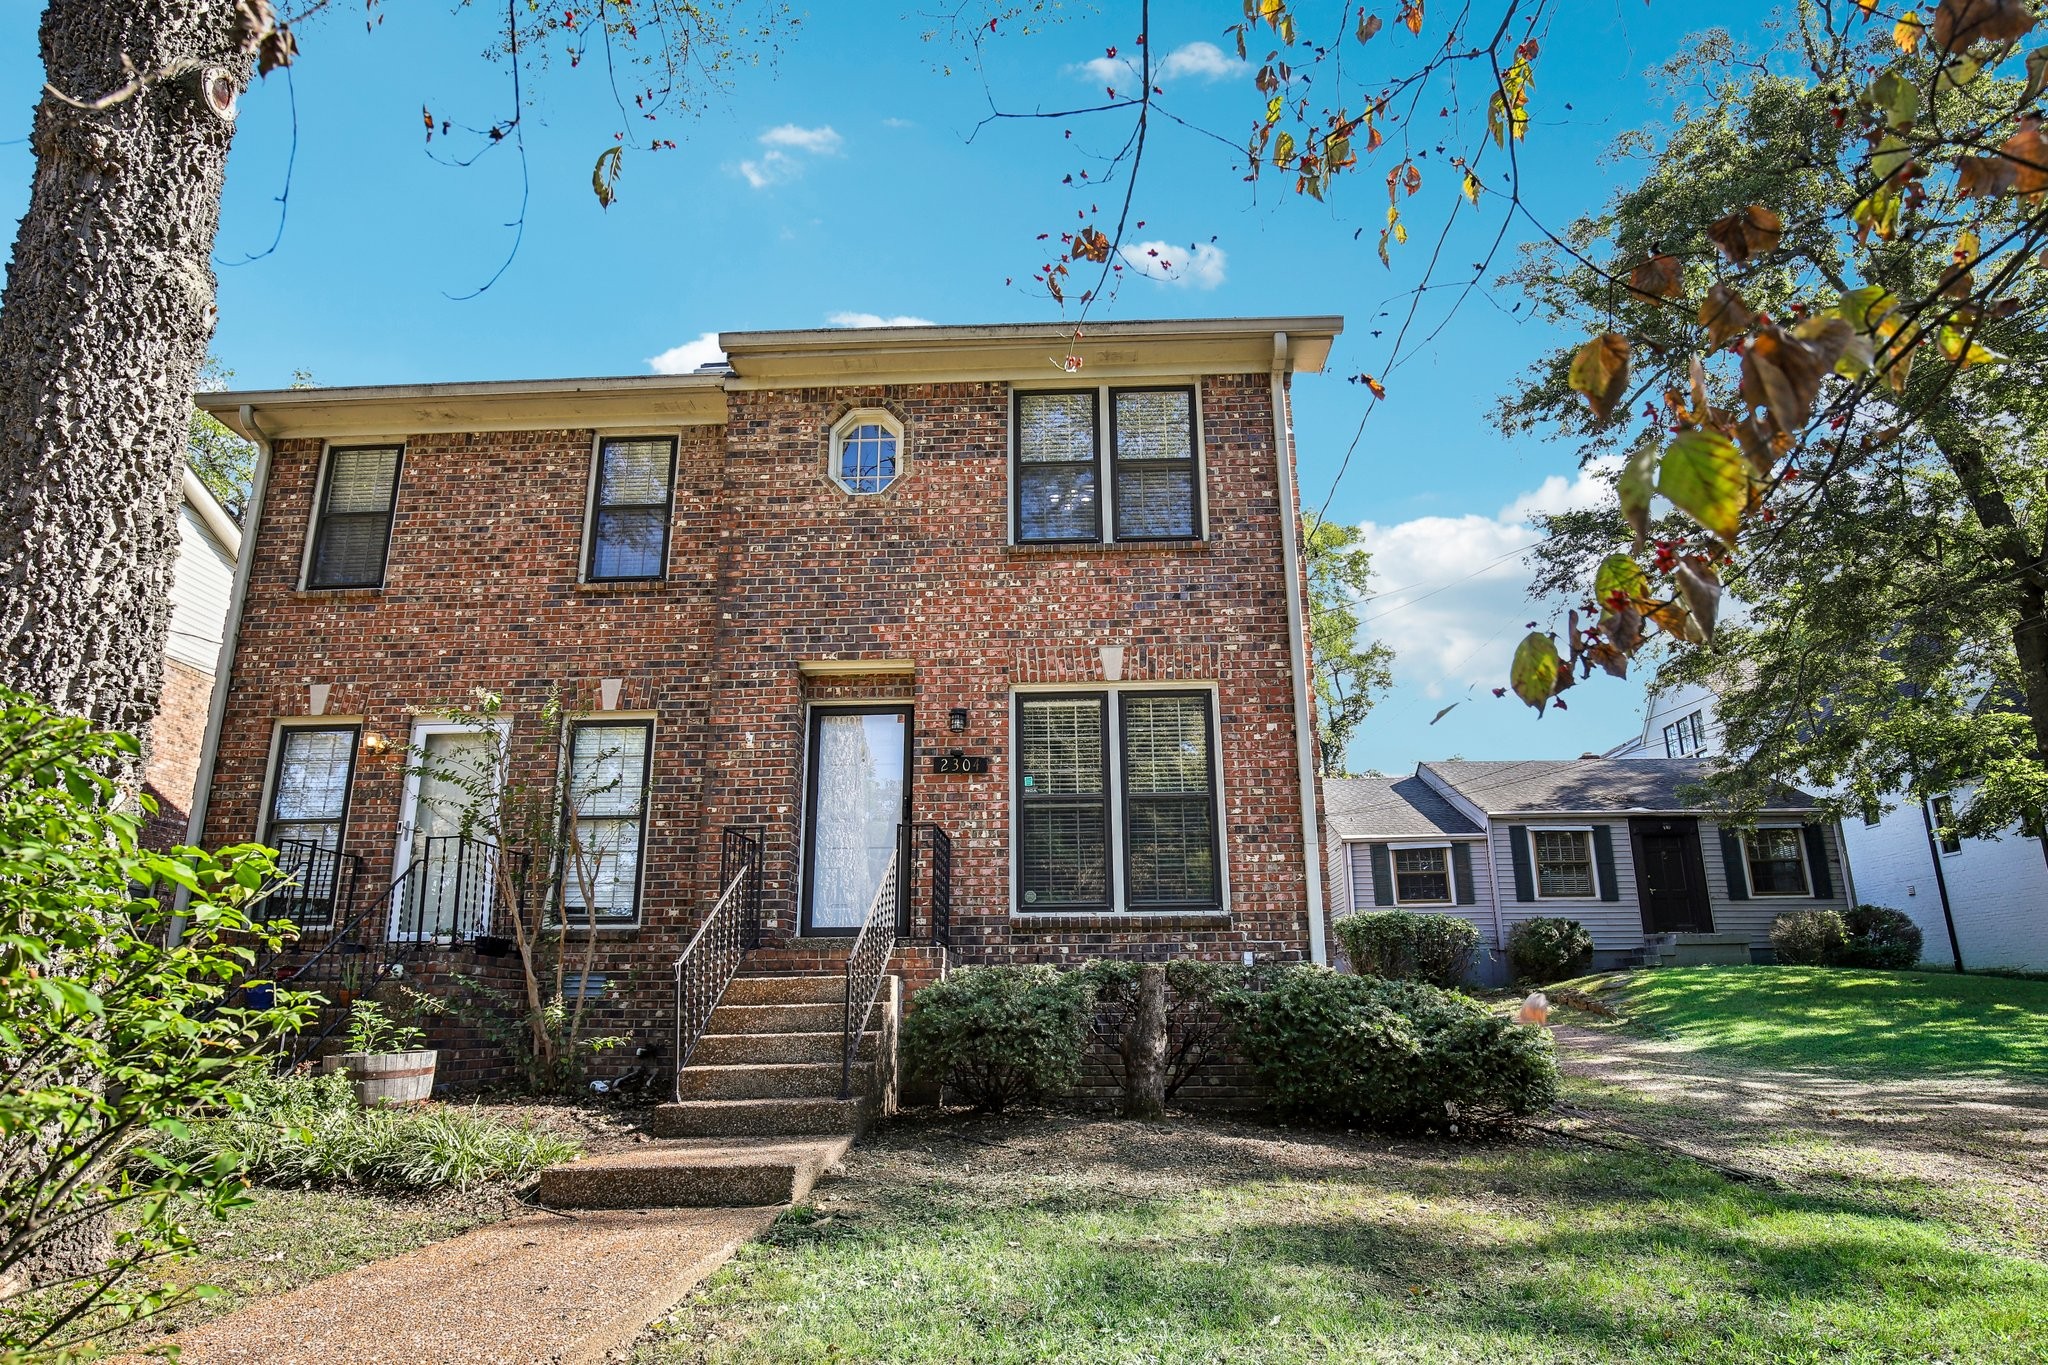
(1586,784)
(1389,808)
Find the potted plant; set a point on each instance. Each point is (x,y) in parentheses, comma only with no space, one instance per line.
(383,1057)
(354,976)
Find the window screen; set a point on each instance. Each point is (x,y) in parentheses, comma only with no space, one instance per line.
(608,820)
(1169,801)
(354,529)
(1062,805)
(1154,432)
(629,523)
(1057,467)
(308,809)
(1422,875)
(1564,863)
(1777,863)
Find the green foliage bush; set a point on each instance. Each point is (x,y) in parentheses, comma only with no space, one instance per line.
(1549,949)
(998,1035)
(1393,1055)
(307,1129)
(1195,1026)
(1865,936)
(1401,945)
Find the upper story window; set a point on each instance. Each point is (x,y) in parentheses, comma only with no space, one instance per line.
(1685,736)
(1153,486)
(352,533)
(1564,864)
(1777,861)
(867,451)
(308,812)
(630,501)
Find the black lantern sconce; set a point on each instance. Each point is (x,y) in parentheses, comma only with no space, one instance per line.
(956,720)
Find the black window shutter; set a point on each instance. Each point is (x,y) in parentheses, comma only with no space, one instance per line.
(1603,859)
(1382,876)
(1461,871)
(1817,862)
(1731,860)
(1525,873)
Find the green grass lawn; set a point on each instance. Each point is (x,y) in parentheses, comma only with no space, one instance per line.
(1078,1241)
(1895,1024)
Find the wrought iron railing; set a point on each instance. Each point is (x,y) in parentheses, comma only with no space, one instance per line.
(447,894)
(707,966)
(867,961)
(939,868)
(319,883)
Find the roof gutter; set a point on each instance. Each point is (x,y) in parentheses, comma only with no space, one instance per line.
(1297,650)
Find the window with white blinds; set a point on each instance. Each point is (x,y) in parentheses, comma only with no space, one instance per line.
(1153,465)
(629,514)
(309,813)
(608,819)
(1160,789)
(352,534)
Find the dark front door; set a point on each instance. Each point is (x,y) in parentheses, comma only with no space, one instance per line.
(1671,877)
(859,794)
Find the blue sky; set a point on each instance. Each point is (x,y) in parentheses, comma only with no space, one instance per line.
(842,183)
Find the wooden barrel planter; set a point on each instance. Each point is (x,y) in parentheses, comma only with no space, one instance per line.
(387,1077)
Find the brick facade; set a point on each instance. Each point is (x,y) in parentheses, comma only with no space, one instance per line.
(772,566)
(174,746)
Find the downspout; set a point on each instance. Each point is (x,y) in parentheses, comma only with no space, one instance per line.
(1948,916)
(1848,875)
(1297,650)
(223,673)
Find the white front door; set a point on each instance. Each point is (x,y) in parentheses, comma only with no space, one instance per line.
(446,847)
(859,795)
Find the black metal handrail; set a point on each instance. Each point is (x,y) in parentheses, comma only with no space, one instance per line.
(318,882)
(867,961)
(708,964)
(939,855)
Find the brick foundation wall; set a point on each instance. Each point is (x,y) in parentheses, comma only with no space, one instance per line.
(771,565)
(172,775)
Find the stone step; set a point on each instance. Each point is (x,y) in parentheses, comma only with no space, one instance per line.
(749,1118)
(740,1049)
(694,1173)
(777,1019)
(759,1081)
(785,990)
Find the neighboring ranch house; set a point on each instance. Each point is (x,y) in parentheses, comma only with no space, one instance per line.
(202,580)
(996,629)
(1611,843)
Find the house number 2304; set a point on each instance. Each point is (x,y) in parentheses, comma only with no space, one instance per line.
(958,763)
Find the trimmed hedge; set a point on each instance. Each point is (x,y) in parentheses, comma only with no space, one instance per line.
(1865,936)
(1547,950)
(1392,1055)
(1400,945)
(998,1035)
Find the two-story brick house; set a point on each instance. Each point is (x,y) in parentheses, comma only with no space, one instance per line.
(1037,597)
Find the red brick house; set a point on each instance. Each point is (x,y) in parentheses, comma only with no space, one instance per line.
(1038,601)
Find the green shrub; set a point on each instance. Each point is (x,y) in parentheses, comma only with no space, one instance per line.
(307,1129)
(1400,945)
(372,1029)
(1881,937)
(1866,936)
(1547,950)
(997,1035)
(1394,1055)
(1195,1026)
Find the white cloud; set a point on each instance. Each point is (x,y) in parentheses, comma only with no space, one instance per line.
(1200,265)
(1113,72)
(1452,591)
(898,123)
(875,320)
(1194,61)
(687,357)
(787,144)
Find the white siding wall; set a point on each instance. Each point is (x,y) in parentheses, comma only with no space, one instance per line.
(1661,709)
(1998,890)
(1358,884)
(200,587)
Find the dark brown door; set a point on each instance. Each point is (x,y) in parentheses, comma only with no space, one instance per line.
(1671,877)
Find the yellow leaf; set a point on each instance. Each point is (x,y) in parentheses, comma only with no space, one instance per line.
(1908,32)
(1472,187)
(1961,349)
(1707,478)
(1533,674)
(1600,371)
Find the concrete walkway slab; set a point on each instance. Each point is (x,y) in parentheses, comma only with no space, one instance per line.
(542,1289)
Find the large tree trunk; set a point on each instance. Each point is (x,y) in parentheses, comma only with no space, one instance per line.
(107,312)
(1144,1046)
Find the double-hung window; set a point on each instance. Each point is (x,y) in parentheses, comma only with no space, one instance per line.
(352,535)
(1685,736)
(308,815)
(1422,876)
(1776,856)
(633,488)
(608,763)
(1099,769)
(1152,489)
(1564,864)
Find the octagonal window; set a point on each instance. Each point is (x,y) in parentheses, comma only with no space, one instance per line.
(867,452)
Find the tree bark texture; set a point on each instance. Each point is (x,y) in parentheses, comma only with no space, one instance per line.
(1144,1047)
(108,309)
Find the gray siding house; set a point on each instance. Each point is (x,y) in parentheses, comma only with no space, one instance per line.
(1611,843)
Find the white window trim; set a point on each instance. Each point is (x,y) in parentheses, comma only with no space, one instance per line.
(1805,866)
(1118,905)
(409,798)
(652,721)
(859,417)
(1450,871)
(277,733)
(1536,864)
(320,476)
(675,472)
(1105,458)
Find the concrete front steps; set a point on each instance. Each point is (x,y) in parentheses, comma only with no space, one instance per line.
(694,1173)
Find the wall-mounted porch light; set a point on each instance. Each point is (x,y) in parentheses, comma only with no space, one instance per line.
(956,720)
